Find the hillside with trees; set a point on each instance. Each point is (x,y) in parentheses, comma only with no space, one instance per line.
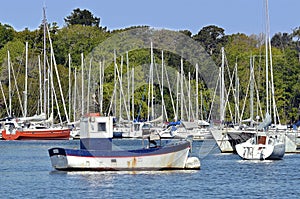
(83,32)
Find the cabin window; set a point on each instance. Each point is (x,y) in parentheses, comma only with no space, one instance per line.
(262,140)
(102,126)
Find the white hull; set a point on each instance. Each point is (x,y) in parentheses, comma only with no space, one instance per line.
(227,143)
(227,139)
(96,151)
(173,160)
(271,150)
(197,133)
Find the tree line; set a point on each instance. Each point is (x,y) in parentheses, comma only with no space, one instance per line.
(82,32)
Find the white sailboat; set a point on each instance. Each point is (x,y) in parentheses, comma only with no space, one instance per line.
(228,135)
(264,145)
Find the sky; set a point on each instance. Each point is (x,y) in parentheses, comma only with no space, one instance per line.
(234,16)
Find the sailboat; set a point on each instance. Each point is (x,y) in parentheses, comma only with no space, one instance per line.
(228,135)
(13,131)
(265,144)
(35,127)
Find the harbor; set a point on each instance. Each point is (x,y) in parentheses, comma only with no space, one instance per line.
(221,175)
(141,111)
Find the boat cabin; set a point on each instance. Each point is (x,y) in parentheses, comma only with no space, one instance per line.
(96,132)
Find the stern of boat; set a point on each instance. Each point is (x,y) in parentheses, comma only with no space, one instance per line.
(58,158)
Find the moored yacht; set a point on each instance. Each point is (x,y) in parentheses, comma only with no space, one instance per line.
(263,146)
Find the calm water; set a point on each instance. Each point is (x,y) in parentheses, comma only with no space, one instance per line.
(26,172)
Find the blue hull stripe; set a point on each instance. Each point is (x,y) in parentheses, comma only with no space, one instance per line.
(119,154)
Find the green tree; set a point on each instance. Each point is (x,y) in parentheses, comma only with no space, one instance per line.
(186,32)
(15,48)
(76,39)
(6,34)
(281,40)
(82,17)
(210,37)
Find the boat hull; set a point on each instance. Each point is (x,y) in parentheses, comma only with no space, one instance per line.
(161,158)
(248,151)
(37,134)
(228,139)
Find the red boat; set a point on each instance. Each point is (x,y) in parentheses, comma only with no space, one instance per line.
(10,132)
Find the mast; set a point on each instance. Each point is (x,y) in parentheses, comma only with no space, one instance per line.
(75,95)
(88,90)
(201,105)
(251,90)
(121,87)
(51,90)
(115,81)
(150,86)
(181,89)
(100,87)
(177,98)
(152,74)
(26,74)
(237,101)
(70,85)
(271,69)
(267,67)
(40,85)
(222,87)
(132,93)
(189,96)
(128,83)
(9,83)
(162,83)
(82,85)
(45,57)
(197,102)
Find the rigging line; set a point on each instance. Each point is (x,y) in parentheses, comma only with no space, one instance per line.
(16,86)
(140,106)
(170,91)
(57,75)
(230,87)
(122,92)
(161,89)
(4,98)
(215,92)
(55,97)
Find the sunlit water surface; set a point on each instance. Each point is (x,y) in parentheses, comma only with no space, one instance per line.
(26,172)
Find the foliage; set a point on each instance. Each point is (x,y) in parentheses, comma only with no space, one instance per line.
(83,35)
(210,37)
(76,39)
(82,17)
(6,34)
